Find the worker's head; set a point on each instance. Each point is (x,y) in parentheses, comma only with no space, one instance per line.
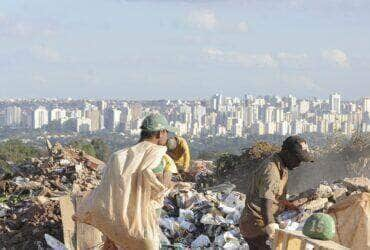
(171,144)
(294,151)
(155,128)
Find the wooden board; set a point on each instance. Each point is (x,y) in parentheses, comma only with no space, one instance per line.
(295,240)
(69,232)
(77,236)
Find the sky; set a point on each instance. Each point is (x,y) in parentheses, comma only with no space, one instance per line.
(183,49)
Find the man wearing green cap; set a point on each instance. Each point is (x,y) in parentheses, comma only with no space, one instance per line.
(155,129)
(125,205)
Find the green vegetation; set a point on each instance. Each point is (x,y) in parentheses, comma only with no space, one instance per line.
(101,149)
(84,146)
(96,147)
(16,151)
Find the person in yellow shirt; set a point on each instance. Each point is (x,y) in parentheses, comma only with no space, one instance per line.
(179,151)
(164,171)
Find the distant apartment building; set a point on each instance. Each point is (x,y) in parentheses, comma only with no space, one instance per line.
(112,118)
(95,118)
(57,114)
(83,124)
(40,117)
(335,103)
(13,116)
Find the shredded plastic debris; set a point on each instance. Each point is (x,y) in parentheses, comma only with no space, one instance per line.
(202,219)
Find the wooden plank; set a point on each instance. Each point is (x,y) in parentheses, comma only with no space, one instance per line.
(67,210)
(323,244)
(278,241)
(88,237)
(295,240)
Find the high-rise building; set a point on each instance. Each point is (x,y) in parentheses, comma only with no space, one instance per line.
(283,128)
(270,128)
(40,117)
(366,104)
(237,129)
(95,117)
(335,103)
(83,124)
(13,116)
(217,102)
(303,106)
(297,127)
(258,128)
(102,105)
(112,119)
(292,103)
(269,114)
(57,114)
(279,115)
(251,115)
(126,118)
(323,126)
(76,113)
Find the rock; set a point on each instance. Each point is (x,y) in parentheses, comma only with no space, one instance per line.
(315,205)
(357,184)
(42,199)
(339,193)
(322,191)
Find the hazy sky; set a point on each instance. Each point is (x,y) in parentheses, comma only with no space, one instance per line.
(187,49)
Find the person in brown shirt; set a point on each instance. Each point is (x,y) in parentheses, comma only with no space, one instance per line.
(267,191)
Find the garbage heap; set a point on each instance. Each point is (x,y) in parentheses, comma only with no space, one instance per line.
(29,193)
(202,219)
(321,199)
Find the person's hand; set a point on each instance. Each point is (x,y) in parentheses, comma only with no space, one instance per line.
(289,205)
(74,218)
(270,230)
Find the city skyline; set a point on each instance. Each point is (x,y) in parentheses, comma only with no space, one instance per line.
(241,96)
(217,115)
(183,49)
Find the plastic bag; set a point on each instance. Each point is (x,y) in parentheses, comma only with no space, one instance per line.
(54,243)
(201,241)
(186,214)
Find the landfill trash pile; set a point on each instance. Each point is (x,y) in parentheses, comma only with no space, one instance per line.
(321,199)
(29,205)
(203,174)
(192,219)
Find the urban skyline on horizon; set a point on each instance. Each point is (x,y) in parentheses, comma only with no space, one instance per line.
(216,116)
(307,97)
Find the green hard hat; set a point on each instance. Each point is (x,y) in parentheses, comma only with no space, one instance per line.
(156,122)
(319,226)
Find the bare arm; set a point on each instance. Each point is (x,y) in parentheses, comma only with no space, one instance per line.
(267,214)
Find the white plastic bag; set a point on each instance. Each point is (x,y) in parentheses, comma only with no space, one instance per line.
(54,243)
(201,241)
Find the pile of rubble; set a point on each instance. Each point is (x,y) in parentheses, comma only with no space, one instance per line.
(321,199)
(198,220)
(196,213)
(29,193)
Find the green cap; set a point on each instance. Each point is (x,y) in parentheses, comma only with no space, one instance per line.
(156,122)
